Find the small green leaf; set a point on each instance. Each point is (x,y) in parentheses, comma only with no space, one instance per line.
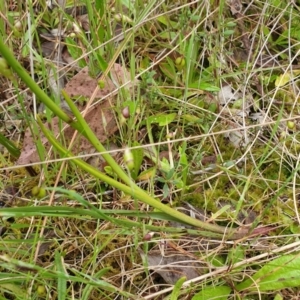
(220,211)
(5,70)
(166,21)
(238,104)
(166,190)
(294,228)
(16,290)
(128,159)
(213,292)
(190,118)
(280,273)
(231,24)
(217,260)
(147,174)
(205,86)
(10,146)
(138,155)
(284,78)
(278,297)
(236,254)
(228,32)
(88,289)
(108,170)
(176,288)
(162,120)
(213,107)
(101,84)
(75,51)
(168,68)
(100,6)
(61,280)
(183,157)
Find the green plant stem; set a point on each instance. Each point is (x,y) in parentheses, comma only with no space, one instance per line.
(16,66)
(132,189)
(10,146)
(96,143)
(135,191)
(67,211)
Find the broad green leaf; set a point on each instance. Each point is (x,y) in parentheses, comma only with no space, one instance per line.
(213,292)
(280,273)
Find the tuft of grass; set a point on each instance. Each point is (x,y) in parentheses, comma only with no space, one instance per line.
(69,229)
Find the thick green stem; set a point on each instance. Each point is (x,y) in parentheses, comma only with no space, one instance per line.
(10,146)
(135,191)
(67,211)
(85,130)
(96,143)
(131,188)
(15,65)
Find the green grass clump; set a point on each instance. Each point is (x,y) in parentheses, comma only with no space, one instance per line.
(172,181)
